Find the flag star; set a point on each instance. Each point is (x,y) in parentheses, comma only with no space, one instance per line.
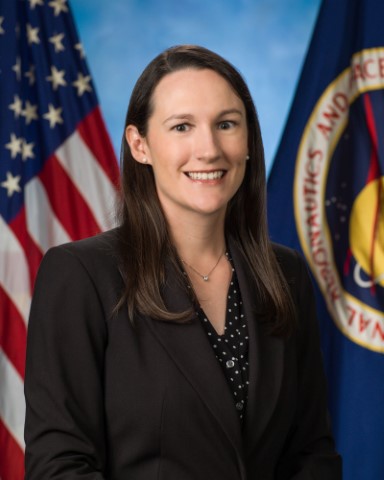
(33,3)
(17,68)
(53,115)
(58,6)
(16,106)
(57,41)
(26,150)
(14,146)
(31,75)
(80,48)
(82,84)
(2,31)
(32,34)
(29,112)
(11,184)
(57,78)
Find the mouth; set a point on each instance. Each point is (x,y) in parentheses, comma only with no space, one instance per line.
(216,175)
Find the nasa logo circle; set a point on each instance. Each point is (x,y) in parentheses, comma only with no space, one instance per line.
(339,198)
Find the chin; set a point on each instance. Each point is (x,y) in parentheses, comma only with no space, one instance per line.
(212,209)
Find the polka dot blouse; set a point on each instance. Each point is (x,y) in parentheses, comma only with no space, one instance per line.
(231,348)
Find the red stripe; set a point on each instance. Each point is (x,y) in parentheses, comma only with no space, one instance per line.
(67,203)
(375,235)
(13,333)
(374,168)
(373,174)
(33,253)
(347,262)
(11,456)
(94,134)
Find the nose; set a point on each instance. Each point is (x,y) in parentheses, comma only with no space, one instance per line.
(207,147)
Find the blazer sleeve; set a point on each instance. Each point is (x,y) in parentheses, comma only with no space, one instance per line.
(64,429)
(310,453)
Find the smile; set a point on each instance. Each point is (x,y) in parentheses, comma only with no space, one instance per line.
(206,175)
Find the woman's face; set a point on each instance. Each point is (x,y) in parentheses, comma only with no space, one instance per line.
(196,142)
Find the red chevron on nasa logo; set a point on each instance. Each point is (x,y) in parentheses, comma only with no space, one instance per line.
(339,197)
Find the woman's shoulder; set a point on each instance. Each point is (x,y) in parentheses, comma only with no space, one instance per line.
(98,247)
(288,258)
(98,255)
(293,266)
(295,269)
(88,265)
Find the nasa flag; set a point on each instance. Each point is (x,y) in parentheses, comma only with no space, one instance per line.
(326,198)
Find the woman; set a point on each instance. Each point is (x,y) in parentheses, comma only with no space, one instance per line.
(181,345)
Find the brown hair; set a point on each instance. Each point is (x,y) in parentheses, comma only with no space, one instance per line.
(144,240)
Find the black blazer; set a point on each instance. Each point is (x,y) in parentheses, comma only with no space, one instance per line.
(110,400)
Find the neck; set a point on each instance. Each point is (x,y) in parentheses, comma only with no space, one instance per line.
(198,239)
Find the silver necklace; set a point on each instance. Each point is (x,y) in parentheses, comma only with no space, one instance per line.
(204,277)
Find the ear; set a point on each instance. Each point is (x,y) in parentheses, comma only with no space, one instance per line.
(137,144)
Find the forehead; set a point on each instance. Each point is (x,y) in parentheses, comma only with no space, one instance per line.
(192,88)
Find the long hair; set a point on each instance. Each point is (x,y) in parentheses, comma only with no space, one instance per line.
(144,242)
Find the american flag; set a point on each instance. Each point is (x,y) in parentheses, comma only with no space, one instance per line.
(58,176)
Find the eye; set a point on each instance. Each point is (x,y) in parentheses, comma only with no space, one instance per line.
(181,127)
(226,124)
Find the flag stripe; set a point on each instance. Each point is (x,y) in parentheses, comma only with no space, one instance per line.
(42,223)
(19,228)
(14,274)
(11,456)
(100,146)
(65,199)
(99,194)
(57,177)
(12,331)
(12,404)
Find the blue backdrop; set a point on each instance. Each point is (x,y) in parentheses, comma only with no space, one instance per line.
(265,39)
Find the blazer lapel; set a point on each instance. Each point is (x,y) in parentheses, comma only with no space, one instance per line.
(188,346)
(265,358)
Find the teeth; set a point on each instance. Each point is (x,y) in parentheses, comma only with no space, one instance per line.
(206,175)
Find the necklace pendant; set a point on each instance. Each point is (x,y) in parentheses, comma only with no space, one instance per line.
(205,278)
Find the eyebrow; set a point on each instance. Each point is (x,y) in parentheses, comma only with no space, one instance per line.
(188,116)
